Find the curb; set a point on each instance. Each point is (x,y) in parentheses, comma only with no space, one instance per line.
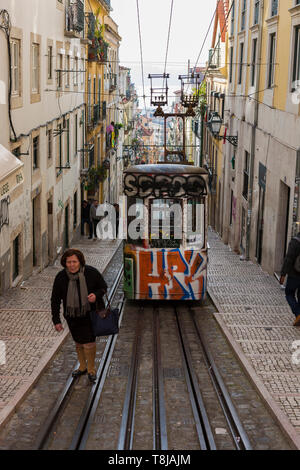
(277,413)
(25,389)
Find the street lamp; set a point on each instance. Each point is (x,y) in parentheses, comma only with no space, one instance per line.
(215,124)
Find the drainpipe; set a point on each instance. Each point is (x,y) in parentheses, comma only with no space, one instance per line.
(296,223)
(253,135)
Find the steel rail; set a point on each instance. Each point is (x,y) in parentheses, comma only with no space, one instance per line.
(160,438)
(203,427)
(56,411)
(125,441)
(237,430)
(82,431)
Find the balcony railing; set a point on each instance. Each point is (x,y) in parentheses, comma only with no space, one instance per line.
(93,115)
(74,15)
(113,82)
(214,58)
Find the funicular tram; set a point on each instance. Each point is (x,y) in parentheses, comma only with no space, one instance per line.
(167,257)
(165,253)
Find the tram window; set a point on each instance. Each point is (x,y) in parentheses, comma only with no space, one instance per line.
(195,221)
(165,219)
(135,221)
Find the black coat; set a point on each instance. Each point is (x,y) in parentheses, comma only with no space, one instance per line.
(95,285)
(289,261)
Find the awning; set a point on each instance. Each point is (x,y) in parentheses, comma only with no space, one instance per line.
(8,163)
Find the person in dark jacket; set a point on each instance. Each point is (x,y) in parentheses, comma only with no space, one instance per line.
(292,289)
(85,218)
(78,286)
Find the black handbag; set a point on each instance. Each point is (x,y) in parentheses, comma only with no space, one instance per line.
(105,322)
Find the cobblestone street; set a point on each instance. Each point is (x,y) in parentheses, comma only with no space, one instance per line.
(257,321)
(26,327)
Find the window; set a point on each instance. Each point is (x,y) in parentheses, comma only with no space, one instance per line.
(67,71)
(59,71)
(232,17)
(49,142)
(35,152)
(166,223)
(274,8)
(16,258)
(50,63)
(246,175)
(59,150)
(75,204)
(230,64)
(241,63)
(68,141)
(35,67)
(76,72)
(296,62)
(256,12)
(15,67)
(75,134)
(243,15)
(253,64)
(271,67)
(82,72)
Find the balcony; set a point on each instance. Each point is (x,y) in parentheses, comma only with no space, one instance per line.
(107,3)
(113,82)
(98,50)
(74,19)
(214,58)
(93,115)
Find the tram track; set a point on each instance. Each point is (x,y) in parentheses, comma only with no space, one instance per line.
(237,431)
(56,413)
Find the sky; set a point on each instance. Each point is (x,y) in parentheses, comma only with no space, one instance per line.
(189,26)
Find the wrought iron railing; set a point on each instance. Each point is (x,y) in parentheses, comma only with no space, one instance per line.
(75,17)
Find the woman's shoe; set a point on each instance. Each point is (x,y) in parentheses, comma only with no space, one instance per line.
(78,372)
(297,321)
(92,378)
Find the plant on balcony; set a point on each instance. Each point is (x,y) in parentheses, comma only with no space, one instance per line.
(94,177)
(98,48)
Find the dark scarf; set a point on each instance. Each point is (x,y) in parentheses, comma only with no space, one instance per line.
(73,308)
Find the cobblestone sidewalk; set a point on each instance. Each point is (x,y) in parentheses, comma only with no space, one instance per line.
(254,315)
(28,339)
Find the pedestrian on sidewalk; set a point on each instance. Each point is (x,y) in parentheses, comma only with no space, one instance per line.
(79,286)
(289,268)
(85,218)
(94,218)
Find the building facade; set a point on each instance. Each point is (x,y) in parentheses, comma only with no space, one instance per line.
(261,205)
(42,55)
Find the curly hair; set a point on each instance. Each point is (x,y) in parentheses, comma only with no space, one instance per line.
(71,252)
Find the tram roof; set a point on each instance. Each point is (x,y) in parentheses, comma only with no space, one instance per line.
(167,169)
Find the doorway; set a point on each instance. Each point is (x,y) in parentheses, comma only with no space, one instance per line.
(66,230)
(36,230)
(50,229)
(282,224)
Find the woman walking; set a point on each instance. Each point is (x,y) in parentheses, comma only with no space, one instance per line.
(79,286)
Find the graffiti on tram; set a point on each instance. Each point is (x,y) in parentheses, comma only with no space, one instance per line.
(175,274)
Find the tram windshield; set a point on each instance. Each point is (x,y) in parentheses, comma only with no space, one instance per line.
(165,230)
(195,230)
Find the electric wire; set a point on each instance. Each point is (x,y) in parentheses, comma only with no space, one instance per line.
(206,36)
(168,41)
(141,53)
